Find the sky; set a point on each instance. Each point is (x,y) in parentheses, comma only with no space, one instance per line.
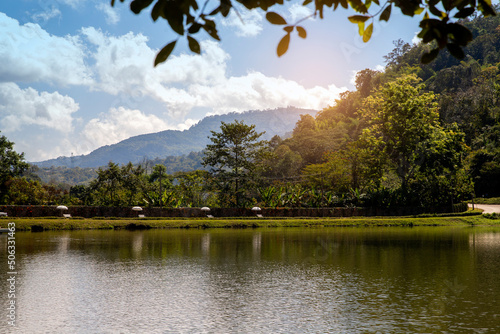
(76,75)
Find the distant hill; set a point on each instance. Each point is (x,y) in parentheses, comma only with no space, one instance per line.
(177,143)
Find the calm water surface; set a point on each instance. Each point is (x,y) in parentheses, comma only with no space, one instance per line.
(330,280)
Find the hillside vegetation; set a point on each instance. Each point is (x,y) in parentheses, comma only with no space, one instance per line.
(171,143)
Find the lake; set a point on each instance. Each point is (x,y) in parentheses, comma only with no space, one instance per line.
(324,280)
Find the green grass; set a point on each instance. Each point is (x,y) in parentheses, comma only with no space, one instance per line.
(469,218)
(493,200)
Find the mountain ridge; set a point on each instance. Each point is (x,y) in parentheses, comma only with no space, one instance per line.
(181,142)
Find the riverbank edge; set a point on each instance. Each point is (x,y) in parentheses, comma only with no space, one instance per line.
(57,223)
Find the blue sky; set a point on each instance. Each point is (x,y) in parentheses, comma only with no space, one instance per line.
(78,74)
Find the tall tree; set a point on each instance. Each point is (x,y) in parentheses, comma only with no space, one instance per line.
(108,185)
(160,180)
(401,118)
(394,57)
(12,164)
(233,157)
(404,130)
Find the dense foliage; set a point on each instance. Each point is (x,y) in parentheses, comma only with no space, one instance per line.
(233,157)
(12,164)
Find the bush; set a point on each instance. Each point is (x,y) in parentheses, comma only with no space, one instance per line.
(491,215)
(460,207)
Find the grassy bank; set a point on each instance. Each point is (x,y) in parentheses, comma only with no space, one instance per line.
(54,223)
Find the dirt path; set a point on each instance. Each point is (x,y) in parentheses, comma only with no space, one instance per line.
(487,208)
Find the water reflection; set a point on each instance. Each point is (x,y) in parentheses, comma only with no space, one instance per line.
(485,240)
(339,280)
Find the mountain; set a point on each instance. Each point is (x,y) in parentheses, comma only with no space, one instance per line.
(175,143)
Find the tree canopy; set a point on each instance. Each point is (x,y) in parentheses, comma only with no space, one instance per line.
(441,20)
(12,164)
(233,156)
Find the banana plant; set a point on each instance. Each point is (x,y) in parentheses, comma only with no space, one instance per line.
(171,199)
(269,196)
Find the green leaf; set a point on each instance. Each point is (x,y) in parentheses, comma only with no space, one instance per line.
(455,50)
(419,10)
(360,21)
(275,18)
(158,10)
(137,6)
(358,6)
(225,7)
(430,56)
(435,11)
(215,11)
(211,29)
(283,45)
(194,45)
(165,53)
(485,8)
(426,35)
(465,12)
(361,28)
(194,28)
(461,35)
(368,33)
(175,18)
(386,14)
(408,7)
(358,18)
(301,31)
(194,5)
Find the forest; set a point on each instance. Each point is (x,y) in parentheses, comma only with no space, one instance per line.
(413,134)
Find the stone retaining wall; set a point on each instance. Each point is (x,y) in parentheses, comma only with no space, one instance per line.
(124,212)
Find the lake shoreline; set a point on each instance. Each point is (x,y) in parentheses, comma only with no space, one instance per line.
(58,223)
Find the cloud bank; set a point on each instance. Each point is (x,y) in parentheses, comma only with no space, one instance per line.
(119,124)
(123,65)
(22,107)
(30,54)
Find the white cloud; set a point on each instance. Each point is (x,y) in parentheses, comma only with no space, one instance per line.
(110,13)
(22,107)
(184,82)
(72,3)
(354,73)
(298,12)
(416,40)
(119,124)
(187,124)
(247,23)
(30,54)
(352,80)
(257,91)
(47,10)
(122,64)
(46,15)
